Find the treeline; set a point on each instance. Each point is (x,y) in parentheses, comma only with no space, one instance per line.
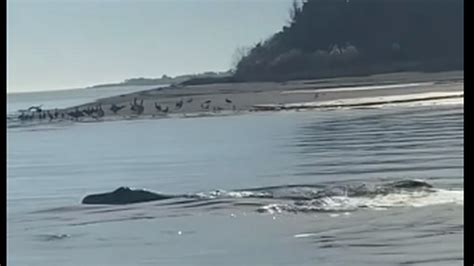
(327,38)
(164,80)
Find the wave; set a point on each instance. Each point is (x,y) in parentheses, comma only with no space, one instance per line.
(345,197)
(378,202)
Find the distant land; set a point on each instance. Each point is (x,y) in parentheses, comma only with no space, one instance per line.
(343,38)
(164,80)
(334,38)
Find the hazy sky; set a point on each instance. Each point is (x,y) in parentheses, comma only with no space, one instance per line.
(75,43)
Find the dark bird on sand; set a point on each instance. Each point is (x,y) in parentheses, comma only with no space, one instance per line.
(56,113)
(189,100)
(35,108)
(133,106)
(51,117)
(157,107)
(208,101)
(227,100)
(100,111)
(88,111)
(22,116)
(138,108)
(76,113)
(179,104)
(115,108)
(165,110)
(205,106)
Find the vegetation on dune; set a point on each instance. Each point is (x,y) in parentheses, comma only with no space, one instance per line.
(166,80)
(352,37)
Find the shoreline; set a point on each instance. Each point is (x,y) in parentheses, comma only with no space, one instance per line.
(230,99)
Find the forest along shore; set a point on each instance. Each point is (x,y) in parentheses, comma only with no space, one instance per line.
(233,98)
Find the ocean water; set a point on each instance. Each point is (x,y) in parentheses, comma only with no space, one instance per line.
(288,188)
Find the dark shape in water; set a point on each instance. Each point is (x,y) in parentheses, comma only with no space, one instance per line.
(410,183)
(124,195)
(301,194)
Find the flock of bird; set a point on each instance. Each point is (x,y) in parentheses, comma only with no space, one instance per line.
(96,112)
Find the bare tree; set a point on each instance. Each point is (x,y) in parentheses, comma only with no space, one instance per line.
(295,10)
(239,53)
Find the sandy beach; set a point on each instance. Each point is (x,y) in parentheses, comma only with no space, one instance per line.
(237,98)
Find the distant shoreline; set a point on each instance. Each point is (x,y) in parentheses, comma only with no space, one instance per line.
(244,96)
(165,80)
(238,98)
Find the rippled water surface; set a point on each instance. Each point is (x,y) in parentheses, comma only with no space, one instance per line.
(291,188)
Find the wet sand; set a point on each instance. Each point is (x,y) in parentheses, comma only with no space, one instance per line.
(249,96)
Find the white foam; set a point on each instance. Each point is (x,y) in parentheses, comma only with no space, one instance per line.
(360,88)
(380,202)
(414,199)
(449,101)
(304,235)
(435,97)
(272,208)
(231,194)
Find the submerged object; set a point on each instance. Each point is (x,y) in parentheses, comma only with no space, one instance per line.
(410,183)
(124,195)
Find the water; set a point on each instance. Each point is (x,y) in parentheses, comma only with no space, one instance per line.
(292,156)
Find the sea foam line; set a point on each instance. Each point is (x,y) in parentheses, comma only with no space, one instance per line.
(362,88)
